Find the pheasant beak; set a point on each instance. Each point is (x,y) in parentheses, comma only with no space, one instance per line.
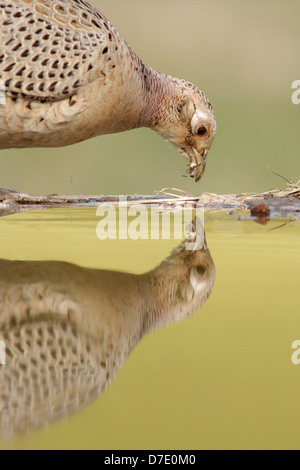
(197,164)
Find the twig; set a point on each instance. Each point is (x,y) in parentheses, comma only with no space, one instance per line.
(164,191)
(294,185)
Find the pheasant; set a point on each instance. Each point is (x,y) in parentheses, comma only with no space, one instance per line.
(67,75)
(67,330)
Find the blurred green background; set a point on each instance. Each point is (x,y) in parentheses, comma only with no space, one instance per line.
(243,55)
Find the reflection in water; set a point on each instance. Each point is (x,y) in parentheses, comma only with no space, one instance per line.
(67,330)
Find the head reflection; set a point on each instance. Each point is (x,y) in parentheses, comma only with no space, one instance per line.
(65,330)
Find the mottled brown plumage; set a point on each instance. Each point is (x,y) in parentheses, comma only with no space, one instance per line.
(68,75)
(67,330)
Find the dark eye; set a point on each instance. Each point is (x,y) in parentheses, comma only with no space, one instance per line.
(202,130)
(200,270)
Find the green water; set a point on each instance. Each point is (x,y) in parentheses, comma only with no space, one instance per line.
(223,378)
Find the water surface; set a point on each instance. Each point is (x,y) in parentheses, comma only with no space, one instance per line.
(224,377)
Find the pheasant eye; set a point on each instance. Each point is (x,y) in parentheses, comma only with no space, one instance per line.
(200,270)
(202,130)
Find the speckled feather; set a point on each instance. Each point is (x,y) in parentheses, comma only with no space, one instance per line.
(68,75)
(54,48)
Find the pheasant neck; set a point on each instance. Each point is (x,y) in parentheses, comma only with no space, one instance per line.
(159,93)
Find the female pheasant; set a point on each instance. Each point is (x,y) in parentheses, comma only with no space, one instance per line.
(67,75)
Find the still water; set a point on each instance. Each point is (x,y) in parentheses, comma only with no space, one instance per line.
(224,377)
